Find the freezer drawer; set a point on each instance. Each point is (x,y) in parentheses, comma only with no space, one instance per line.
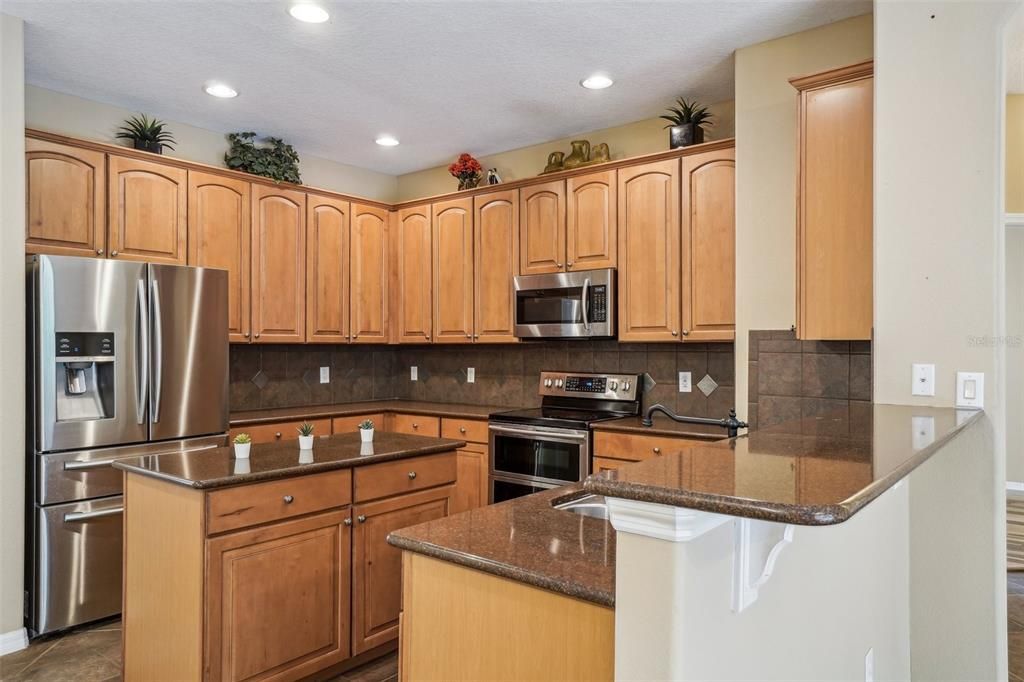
(77,563)
(86,474)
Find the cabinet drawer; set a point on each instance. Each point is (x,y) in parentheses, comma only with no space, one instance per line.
(351,423)
(416,424)
(281,431)
(470,430)
(635,448)
(248,505)
(404,475)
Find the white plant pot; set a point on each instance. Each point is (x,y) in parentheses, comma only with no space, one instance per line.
(306,442)
(241,466)
(242,450)
(366,449)
(366,435)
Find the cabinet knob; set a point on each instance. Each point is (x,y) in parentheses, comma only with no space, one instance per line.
(558,265)
(412,475)
(469,336)
(427,337)
(246,334)
(569,264)
(415,425)
(277,435)
(347,522)
(257,335)
(361,519)
(462,429)
(113,253)
(686,332)
(355,336)
(288,499)
(675,333)
(99,252)
(657,451)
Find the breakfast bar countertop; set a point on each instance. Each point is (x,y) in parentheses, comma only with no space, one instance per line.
(218,468)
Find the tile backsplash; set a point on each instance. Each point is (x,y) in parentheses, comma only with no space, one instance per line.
(789,379)
(264,376)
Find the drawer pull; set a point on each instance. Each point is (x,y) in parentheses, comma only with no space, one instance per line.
(415,425)
(277,435)
(462,429)
(361,518)
(347,522)
(412,475)
(657,451)
(288,499)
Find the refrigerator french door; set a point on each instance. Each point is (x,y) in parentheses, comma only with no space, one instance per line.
(126,359)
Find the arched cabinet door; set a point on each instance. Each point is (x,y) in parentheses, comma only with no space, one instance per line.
(327,269)
(65,200)
(414,284)
(148,208)
(453,271)
(542,228)
(496,247)
(368,284)
(591,221)
(649,271)
(278,265)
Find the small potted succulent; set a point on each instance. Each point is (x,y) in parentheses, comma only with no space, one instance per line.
(242,442)
(147,134)
(366,431)
(305,436)
(686,123)
(467,170)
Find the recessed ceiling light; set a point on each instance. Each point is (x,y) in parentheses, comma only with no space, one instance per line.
(387,141)
(309,13)
(596,82)
(220,90)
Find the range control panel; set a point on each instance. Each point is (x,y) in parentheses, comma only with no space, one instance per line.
(598,386)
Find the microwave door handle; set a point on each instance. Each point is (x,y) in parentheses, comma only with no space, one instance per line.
(158,352)
(142,352)
(586,303)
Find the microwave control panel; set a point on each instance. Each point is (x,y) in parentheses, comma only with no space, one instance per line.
(599,303)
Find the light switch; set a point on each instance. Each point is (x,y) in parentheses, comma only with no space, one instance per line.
(470,375)
(414,373)
(923,380)
(970,389)
(685,382)
(325,375)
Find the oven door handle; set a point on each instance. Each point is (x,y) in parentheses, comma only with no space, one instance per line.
(540,431)
(585,303)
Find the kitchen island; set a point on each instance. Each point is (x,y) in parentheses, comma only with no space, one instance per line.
(277,565)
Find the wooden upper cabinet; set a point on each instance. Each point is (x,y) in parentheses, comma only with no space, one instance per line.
(278,265)
(219,237)
(542,228)
(496,251)
(327,263)
(649,270)
(413,257)
(453,271)
(591,221)
(834,204)
(368,307)
(66,199)
(709,246)
(148,207)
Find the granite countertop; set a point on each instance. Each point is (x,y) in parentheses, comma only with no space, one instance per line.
(816,471)
(663,426)
(218,468)
(526,540)
(458,410)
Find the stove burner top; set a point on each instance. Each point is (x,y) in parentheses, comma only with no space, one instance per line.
(560,417)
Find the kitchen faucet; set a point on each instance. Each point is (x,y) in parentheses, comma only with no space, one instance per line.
(732,425)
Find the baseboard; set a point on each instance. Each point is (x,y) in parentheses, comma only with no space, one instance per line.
(12,641)
(1015,486)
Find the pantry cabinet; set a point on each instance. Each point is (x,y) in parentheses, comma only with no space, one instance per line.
(649,257)
(278,265)
(453,271)
(369,278)
(66,199)
(413,301)
(834,204)
(709,246)
(542,228)
(327,266)
(496,251)
(148,204)
(591,221)
(219,236)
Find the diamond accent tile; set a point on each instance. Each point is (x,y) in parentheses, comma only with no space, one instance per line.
(649,383)
(707,385)
(311,377)
(261,379)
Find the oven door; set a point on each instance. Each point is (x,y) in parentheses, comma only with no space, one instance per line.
(565,305)
(502,489)
(539,455)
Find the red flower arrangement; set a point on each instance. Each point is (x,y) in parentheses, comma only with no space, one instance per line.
(467,170)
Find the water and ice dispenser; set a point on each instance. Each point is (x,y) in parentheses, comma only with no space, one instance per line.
(84,376)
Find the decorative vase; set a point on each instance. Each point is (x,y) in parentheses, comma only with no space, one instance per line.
(242,450)
(305,442)
(241,467)
(685,135)
(468,181)
(366,435)
(305,456)
(579,155)
(147,146)
(366,449)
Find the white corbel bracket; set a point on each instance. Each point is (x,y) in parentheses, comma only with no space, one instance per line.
(756,548)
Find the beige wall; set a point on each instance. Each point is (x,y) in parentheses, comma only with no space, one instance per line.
(70,115)
(631,139)
(766,172)
(1015,153)
(1015,354)
(12,332)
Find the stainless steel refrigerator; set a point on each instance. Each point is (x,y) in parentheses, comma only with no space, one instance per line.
(125,359)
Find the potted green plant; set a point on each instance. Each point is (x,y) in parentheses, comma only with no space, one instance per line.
(305,436)
(242,443)
(686,123)
(274,159)
(366,431)
(147,134)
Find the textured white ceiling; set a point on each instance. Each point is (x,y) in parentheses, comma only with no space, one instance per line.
(444,77)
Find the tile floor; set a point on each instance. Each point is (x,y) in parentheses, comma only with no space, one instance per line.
(93,654)
(1015,624)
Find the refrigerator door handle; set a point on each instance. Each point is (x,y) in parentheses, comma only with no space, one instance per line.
(142,352)
(74,517)
(158,350)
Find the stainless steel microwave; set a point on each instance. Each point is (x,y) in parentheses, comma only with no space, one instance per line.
(566,305)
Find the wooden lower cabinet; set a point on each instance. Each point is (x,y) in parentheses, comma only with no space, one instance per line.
(281,431)
(471,478)
(602,464)
(278,599)
(347,424)
(414,424)
(377,566)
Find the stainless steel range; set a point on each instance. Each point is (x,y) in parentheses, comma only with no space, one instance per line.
(550,446)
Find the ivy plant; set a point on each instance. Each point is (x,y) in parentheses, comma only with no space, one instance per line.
(273,159)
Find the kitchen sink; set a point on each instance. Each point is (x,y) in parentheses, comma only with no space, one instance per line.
(588,505)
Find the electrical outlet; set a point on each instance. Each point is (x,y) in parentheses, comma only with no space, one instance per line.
(470,375)
(923,380)
(869,665)
(685,382)
(325,375)
(414,373)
